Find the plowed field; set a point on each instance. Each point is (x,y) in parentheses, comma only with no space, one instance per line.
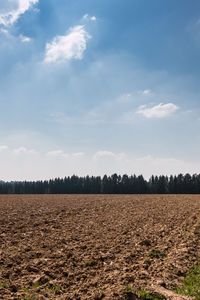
(95,246)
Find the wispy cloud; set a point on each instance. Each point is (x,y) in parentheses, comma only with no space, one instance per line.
(144,92)
(108,154)
(13,10)
(24,150)
(4,31)
(87,17)
(158,111)
(24,39)
(56,153)
(66,47)
(78,154)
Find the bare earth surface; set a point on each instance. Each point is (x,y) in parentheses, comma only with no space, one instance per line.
(95,246)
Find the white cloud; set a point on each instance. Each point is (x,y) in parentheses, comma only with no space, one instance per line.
(11,10)
(158,160)
(55,153)
(108,154)
(61,153)
(78,154)
(144,92)
(93,18)
(23,150)
(4,31)
(158,111)
(24,39)
(67,47)
(87,17)
(100,154)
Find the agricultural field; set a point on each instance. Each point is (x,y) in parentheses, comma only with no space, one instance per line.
(98,246)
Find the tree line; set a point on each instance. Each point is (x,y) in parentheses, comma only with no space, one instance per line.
(114,184)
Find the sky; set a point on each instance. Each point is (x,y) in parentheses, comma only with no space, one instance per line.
(99,87)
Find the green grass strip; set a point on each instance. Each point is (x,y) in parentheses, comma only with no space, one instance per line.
(191,284)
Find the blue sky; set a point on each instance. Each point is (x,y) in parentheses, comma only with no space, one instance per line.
(94,87)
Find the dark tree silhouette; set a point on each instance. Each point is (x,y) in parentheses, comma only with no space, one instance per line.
(114,184)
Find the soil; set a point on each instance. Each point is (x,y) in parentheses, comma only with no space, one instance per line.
(96,246)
